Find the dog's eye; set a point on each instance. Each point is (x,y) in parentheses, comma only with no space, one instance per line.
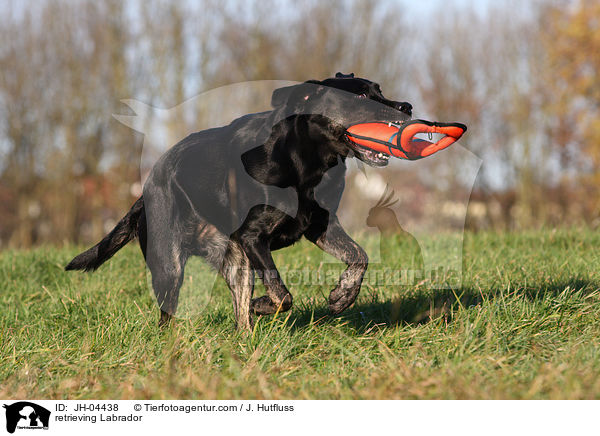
(363,95)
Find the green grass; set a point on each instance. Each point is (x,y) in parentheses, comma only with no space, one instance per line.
(525,324)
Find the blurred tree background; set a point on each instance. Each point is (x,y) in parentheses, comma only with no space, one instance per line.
(522,75)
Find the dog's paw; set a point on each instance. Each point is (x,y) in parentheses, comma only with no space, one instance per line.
(262,306)
(165,320)
(265,306)
(245,324)
(342,298)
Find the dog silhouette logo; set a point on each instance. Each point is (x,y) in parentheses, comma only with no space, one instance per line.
(26,415)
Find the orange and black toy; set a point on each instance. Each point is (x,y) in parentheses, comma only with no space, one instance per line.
(399,139)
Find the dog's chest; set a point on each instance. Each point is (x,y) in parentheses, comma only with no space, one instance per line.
(290,229)
(315,206)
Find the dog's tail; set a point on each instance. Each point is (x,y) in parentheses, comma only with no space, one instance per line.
(124,231)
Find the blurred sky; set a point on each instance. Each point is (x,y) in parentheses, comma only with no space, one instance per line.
(421,9)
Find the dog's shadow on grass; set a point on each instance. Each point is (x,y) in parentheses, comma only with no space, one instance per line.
(413,310)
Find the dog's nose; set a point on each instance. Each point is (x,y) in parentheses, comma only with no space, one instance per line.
(404,107)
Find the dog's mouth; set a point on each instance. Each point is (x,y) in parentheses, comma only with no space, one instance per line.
(368,156)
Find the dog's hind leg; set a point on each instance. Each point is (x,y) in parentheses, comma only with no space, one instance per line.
(239,275)
(142,232)
(226,256)
(166,264)
(161,242)
(334,240)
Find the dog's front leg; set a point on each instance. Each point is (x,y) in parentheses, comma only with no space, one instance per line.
(278,298)
(335,241)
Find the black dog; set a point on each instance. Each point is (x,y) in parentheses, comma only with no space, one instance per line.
(233,194)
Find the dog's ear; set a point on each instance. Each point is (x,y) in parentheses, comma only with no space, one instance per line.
(296,93)
(339,75)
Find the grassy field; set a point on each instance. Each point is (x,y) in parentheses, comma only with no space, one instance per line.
(525,324)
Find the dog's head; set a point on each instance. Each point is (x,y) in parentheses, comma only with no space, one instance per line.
(343,100)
